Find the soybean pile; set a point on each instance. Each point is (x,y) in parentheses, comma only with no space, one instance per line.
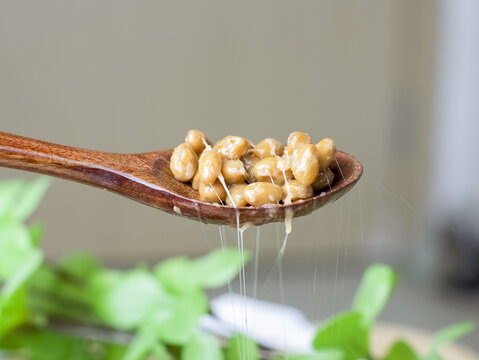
(238,173)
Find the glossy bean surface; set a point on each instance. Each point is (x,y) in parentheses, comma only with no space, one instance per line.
(261,193)
(183,162)
(305,164)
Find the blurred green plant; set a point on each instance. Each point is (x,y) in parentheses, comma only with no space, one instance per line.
(345,336)
(153,313)
(40,303)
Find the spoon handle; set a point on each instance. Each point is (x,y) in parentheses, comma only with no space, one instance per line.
(86,166)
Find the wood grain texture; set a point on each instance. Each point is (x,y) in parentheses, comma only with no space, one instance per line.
(147,178)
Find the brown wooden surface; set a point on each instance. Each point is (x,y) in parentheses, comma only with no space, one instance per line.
(147,178)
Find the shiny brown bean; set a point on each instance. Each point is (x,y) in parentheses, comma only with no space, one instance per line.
(305,164)
(195,183)
(268,147)
(326,153)
(267,170)
(296,191)
(237,195)
(232,147)
(323,180)
(261,193)
(284,163)
(183,162)
(197,140)
(233,171)
(295,139)
(209,167)
(249,160)
(214,193)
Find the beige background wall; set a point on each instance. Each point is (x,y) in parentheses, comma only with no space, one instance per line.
(134,76)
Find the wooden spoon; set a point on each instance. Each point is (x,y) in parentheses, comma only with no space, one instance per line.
(147,178)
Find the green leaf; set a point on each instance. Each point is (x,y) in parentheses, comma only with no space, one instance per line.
(218,267)
(124,300)
(184,318)
(344,332)
(13,340)
(181,275)
(177,322)
(177,275)
(201,347)
(53,346)
(323,355)
(36,233)
(45,345)
(145,344)
(174,323)
(59,287)
(374,291)
(401,351)
(80,264)
(138,349)
(19,198)
(450,334)
(15,247)
(13,312)
(9,191)
(115,351)
(18,258)
(31,195)
(45,279)
(26,269)
(160,352)
(241,347)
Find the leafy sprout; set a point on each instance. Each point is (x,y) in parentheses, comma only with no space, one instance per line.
(345,336)
(153,313)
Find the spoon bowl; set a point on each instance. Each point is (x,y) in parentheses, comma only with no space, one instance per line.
(347,173)
(147,178)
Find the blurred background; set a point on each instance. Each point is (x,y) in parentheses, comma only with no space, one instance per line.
(394,82)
